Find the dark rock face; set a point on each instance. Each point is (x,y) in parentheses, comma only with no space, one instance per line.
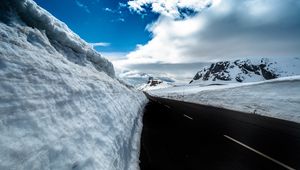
(223,71)
(219,70)
(266,71)
(153,82)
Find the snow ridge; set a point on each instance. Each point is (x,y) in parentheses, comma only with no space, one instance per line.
(58,33)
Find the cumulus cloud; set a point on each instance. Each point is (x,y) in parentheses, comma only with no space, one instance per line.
(170,8)
(230,28)
(226,29)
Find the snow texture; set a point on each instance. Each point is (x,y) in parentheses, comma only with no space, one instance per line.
(60,106)
(55,32)
(279,98)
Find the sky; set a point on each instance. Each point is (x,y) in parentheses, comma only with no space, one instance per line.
(175,38)
(108,24)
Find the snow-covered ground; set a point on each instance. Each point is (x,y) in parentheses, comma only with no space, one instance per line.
(279,98)
(60,105)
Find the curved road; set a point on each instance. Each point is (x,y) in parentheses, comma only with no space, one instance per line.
(179,135)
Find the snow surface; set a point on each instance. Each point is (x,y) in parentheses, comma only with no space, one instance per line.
(60,105)
(279,98)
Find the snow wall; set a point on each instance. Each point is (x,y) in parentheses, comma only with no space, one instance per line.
(60,104)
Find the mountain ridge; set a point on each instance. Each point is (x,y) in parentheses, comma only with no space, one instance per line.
(248,70)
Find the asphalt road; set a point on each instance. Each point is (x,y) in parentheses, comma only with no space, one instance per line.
(179,135)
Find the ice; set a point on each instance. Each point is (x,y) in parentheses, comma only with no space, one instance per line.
(278,98)
(61,106)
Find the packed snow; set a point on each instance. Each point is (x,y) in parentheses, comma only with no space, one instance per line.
(279,98)
(61,106)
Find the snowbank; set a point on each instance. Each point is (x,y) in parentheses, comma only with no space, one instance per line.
(56,32)
(60,108)
(279,98)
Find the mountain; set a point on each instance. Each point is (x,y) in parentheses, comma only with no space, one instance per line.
(134,78)
(61,106)
(140,80)
(257,69)
(155,83)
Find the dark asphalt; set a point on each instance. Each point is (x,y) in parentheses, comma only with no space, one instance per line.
(173,141)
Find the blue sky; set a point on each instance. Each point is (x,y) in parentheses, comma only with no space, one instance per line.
(108,21)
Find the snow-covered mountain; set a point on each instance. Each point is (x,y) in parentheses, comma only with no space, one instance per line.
(134,78)
(155,83)
(140,80)
(61,106)
(256,69)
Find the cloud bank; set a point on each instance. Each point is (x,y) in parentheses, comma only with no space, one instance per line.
(225,29)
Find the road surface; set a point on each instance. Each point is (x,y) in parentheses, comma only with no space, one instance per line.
(179,135)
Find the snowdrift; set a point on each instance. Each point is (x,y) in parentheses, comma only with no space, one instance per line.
(60,105)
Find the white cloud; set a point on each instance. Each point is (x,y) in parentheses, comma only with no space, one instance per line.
(230,28)
(100,44)
(170,8)
(227,29)
(81,5)
(108,10)
(122,5)
(115,56)
(118,12)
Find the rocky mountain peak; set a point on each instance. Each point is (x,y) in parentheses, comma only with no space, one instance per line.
(237,71)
